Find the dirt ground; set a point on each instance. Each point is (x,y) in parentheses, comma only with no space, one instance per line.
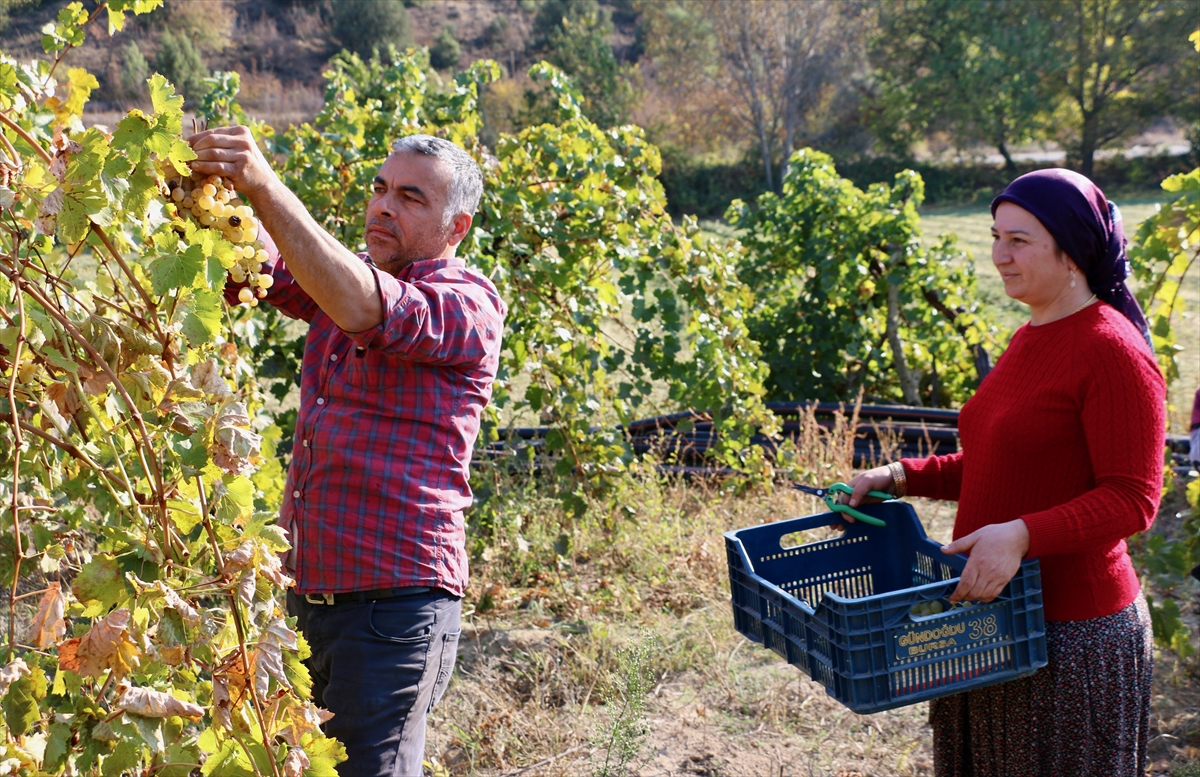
(528,698)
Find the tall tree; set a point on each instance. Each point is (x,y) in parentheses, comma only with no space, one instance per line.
(574,35)
(1127,63)
(772,60)
(965,68)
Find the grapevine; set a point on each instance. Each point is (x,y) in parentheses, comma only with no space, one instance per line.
(213,204)
(145,632)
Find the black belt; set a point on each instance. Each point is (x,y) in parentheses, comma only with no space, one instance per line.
(358,597)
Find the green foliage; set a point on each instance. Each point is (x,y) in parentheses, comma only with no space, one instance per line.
(962,67)
(363,26)
(134,72)
(445,51)
(1167,562)
(551,15)
(608,299)
(496,34)
(160,637)
(180,61)
(823,259)
(1162,255)
(1127,62)
(573,36)
(10,7)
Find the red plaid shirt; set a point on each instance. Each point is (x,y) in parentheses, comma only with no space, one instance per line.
(388,418)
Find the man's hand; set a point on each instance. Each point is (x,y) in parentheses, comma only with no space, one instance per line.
(337,280)
(231,153)
(995,556)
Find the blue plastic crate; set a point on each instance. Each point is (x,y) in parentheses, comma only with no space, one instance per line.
(840,610)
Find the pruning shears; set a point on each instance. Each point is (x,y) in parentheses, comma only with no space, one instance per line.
(830,497)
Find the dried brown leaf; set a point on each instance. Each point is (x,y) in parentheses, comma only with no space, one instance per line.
(303,719)
(295,763)
(48,626)
(240,558)
(206,376)
(106,646)
(271,568)
(190,615)
(222,708)
(246,586)
(150,703)
(64,397)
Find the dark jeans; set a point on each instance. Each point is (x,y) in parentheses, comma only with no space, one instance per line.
(380,667)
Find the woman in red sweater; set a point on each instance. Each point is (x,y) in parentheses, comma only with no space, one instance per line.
(1060,460)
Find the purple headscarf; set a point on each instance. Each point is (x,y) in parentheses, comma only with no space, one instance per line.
(1087,227)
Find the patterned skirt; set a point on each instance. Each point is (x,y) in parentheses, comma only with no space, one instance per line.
(1087,712)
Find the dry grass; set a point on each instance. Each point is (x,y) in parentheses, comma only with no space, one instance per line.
(545,625)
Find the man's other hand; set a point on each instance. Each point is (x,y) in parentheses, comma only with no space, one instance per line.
(231,153)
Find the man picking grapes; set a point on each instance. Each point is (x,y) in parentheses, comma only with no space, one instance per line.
(401,354)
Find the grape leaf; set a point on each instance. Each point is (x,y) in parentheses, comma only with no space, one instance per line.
(132,133)
(325,754)
(203,319)
(21,701)
(230,761)
(115,177)
(58,745)
(167,104)
(99,585)
(125,758)
(89,159)
(80,208)
(236,502)
(176,271)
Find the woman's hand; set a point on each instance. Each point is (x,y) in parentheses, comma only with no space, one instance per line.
(878,479)
(995,554)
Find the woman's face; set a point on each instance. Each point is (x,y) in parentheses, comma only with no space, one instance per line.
(1024,252)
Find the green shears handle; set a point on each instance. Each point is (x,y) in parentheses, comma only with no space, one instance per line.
(841,488)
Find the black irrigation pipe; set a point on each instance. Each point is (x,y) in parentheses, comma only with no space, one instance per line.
(911,432)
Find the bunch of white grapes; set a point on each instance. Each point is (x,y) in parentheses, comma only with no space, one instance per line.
(214,204)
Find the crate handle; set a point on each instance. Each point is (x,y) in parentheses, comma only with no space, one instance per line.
(774,532)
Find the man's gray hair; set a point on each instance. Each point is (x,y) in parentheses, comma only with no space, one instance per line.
(466,186)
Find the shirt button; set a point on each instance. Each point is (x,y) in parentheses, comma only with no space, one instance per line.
(306,443)
(333,357)
(320,400)
(295,495)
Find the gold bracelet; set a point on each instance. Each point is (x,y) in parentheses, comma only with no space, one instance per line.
(899,479)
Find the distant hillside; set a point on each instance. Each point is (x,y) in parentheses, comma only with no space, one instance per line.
(279,46)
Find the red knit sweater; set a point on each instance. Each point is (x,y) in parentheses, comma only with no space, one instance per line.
(1066,433)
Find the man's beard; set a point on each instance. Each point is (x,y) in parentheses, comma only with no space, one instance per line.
(412,246)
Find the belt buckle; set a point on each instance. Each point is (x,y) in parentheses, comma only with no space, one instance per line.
(319,598)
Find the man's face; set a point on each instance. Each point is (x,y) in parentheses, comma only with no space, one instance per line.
(406,215)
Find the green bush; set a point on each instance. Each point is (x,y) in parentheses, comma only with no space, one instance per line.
(496,33)
(445,51)
(366,25)
(705,190)
(182,64)
(134,72)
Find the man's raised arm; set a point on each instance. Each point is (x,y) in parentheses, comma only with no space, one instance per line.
(338,281)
